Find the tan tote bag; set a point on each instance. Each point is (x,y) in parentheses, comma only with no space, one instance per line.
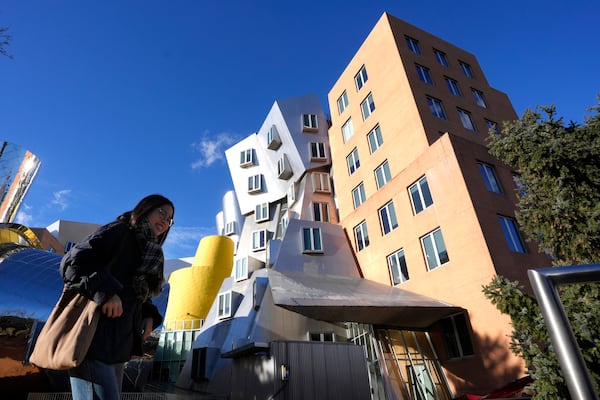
(67,334)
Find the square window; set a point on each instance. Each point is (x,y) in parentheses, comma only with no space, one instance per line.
(358,195)
(489,177)
(353,161)
(457,340)
(440,56)
(424,74)
(397,267)
(434,249)
(479,99)
(320,181)
(262,212)
(259,240)
(382,174)
(310,123)
(466,69)
(375,139)
(311,240)
(317,151)
(387,218)
(224,302)
(255,183)
(342,102)
(452,86)
(347,130)
(361,78)
(367,106)
(361,236)
(241,269)
(413,45)
(465,118)
(320,212)
(436,107)
(246,158)
(229,229)
(511,234)
(420,195)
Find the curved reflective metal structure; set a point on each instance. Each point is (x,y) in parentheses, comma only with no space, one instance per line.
(20,234)
(18,167)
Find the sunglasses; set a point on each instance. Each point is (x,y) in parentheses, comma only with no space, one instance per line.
(165,217)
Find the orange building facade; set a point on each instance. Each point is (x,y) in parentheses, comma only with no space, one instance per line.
(425,205)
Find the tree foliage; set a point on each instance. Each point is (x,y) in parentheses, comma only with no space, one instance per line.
(559,208)
(5,39)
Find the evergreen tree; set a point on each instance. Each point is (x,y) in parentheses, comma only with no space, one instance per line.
(559,208)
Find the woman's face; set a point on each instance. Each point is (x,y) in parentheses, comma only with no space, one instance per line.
(160,219)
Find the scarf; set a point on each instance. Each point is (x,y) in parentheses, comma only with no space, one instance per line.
(148,278)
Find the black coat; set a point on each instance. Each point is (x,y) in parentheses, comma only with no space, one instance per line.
(99,267)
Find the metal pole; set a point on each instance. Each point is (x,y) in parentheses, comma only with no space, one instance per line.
(569,356)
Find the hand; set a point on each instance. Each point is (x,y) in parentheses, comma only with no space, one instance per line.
(146,328)
(113,308)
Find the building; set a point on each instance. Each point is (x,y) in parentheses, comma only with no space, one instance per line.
(427,208)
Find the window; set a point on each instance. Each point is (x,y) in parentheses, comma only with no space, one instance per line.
(241,269)
(489,177)
(361,236)
(358,195)
(440,56)
(353,161)
(224,301)
(457,340)
(322,337)
(511,234)
(413,45)
(397,266)
(262,212)
(273,140)
(436,107)
(310,123)
(387,218)
(465,118)
(284,169)
(424,74)
(452,86)
(420,195)
(259,240)
(320,181)
(311,240)
(375,139)
(367,106)
(382,174)
(479,99)
(491,125)
(282,224)
(342,102)
(321,212)
(361,78)
(317,151)
(229,228)
(434,249)
(246,158)
(254,183)
(347,130)
(521,190)
(466,69)
(291,194)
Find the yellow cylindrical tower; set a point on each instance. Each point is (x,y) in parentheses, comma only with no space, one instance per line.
(193,289)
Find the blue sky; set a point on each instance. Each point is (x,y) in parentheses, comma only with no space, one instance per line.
(120,99)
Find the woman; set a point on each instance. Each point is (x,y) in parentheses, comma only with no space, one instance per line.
(120,266)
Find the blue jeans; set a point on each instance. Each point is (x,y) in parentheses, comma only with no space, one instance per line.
(95,380)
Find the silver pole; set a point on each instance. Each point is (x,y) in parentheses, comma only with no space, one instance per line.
(544,283)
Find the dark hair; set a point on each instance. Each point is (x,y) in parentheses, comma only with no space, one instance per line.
(145,207)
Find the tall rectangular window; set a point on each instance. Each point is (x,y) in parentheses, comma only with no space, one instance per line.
(440,56)
(367,106)
(434,249)
(466,69)
(361,236)
(413,45)
(353,161)
(457,340)
(387,218)
(273,139)
(382,174)
(511,234)
(317,151)
(465,118)
(420,195)
(262,212)
(241,269)
(310,123)
(452,86)
(436,107)
(424,74)
(342,102)
(375,139)
(397,267)
(320,181)
(224,308)
(358,195)
(479,99)
(347,130)
(361,78)
(311,240)
(320,212)
(489,177)
(259,240)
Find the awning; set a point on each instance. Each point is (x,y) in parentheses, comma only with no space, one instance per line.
(341,299)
